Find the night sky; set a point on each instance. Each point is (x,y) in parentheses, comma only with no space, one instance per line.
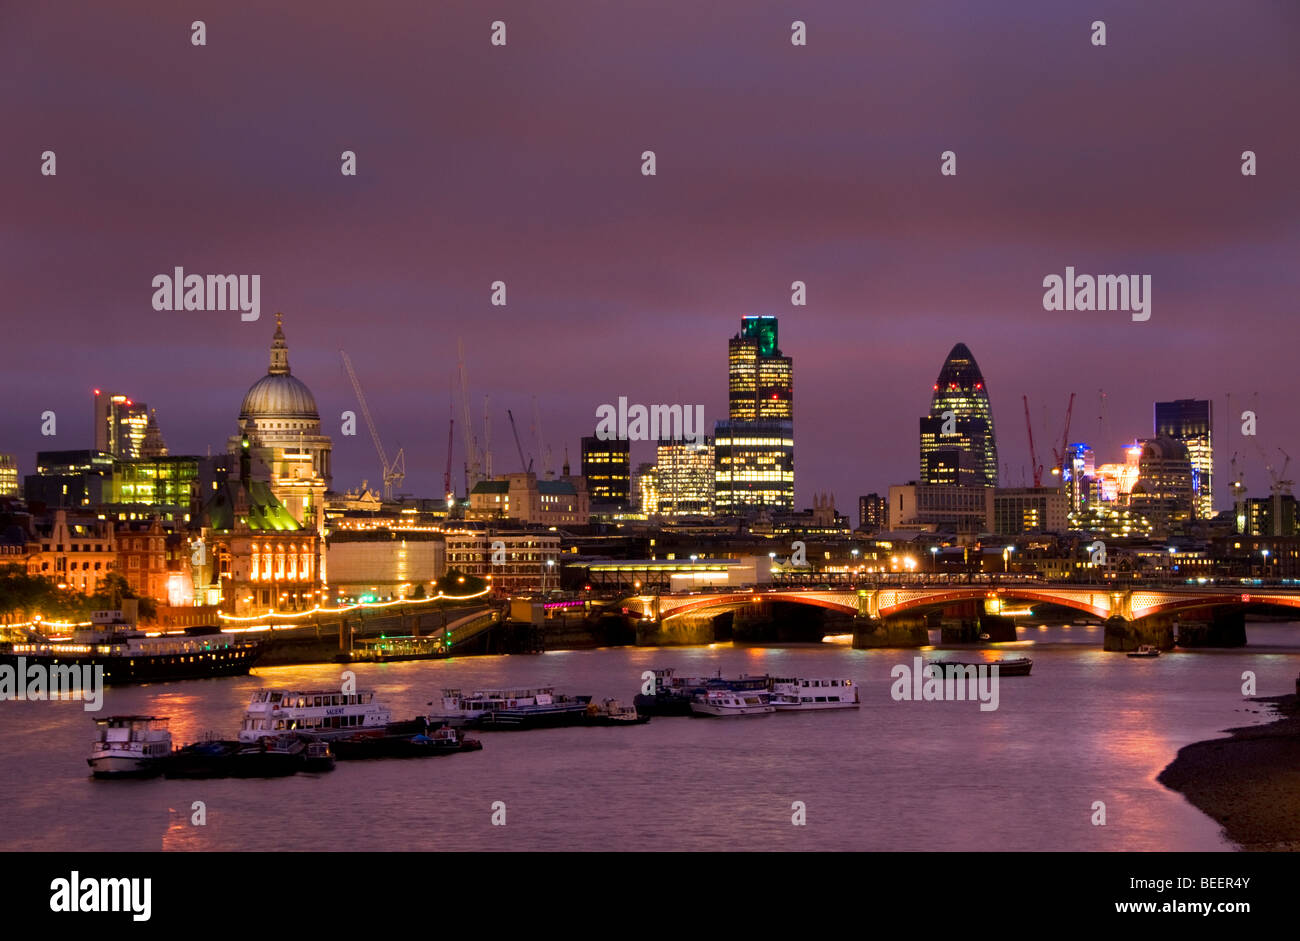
(775,163)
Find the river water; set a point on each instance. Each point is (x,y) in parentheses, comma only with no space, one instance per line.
(1086,726)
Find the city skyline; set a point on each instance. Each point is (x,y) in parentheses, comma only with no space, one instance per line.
(855,209)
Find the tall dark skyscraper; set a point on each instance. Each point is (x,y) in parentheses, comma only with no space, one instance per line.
(958,445)
(754,450)
(608,469)
(1191,422)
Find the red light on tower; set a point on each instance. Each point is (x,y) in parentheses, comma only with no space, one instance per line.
(97,392)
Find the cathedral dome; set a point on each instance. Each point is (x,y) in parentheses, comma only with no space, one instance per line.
(278,395)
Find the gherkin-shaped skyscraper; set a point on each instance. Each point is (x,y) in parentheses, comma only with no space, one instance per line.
(958,445)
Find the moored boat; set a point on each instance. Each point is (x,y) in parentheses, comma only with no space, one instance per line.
(511,708)
(317,757)
(673,695)
(130,746)
(1146,650)
(323,713)
(613,713)
(800,694)
(719,703)
(1007,666)
(131,656)
(431,744)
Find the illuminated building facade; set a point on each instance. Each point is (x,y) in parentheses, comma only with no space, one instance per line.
(1019,510)
(8,476)
(753,467)
(142,558)
(1191,422)
(760,378)
(531,560)
(959,449)
(1114,482)
(524,498)
(255,556)
(164,482)
(75,552)
(685,478)
(279,420)
(607,467)
(121,425)
(936,507)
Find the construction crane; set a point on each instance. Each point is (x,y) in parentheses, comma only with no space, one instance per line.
(527,466)
(542,451)
(446,476)
(471,451)
(1062,454)
(394,472)
(1238,498)
(487,440)
(1034,466)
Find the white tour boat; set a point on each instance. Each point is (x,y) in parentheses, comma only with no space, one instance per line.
(797,694)
(130,746)
(321,713)
(726,702)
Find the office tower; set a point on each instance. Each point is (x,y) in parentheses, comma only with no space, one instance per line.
(761,380)
(753,456)
(685,478)
(958,445)
(1191,421)
(120,425)
(607,466)
(753,466)
(1163,491)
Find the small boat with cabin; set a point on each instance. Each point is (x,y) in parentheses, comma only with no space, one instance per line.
(720,703)
(673,694)
(130,746)
(613,713)
(1146,650)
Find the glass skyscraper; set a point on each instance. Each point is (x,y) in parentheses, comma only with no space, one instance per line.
(959,448)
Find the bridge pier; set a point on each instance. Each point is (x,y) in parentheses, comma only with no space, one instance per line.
(1124,635)
(1222,629)
(684,631)
(906,630)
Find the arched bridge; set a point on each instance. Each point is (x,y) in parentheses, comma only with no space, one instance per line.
(1127,604)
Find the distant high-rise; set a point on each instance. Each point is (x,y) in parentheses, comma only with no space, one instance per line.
(153,445)
(761,380)
(685,478)
(1191,421)
(753,464)
(958,445)
(873,512)
(608,469)
(120,425)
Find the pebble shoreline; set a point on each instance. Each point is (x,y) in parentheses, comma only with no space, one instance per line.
(1250,782)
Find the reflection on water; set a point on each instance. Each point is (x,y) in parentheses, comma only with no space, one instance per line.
(1085,726)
